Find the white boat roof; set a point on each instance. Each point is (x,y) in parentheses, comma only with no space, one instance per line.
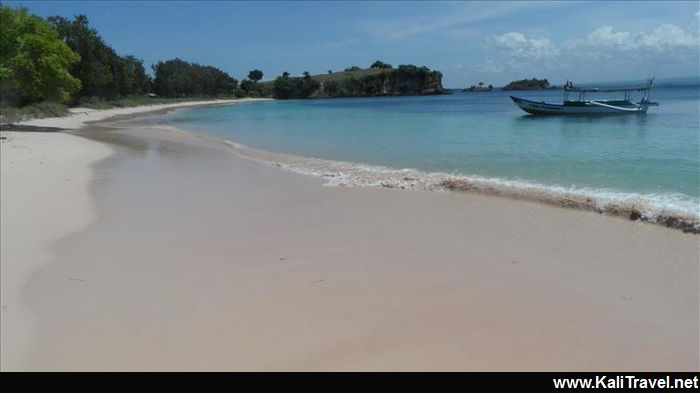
(604,89)
(646,86)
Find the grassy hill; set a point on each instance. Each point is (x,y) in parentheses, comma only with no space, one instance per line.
(341,75)
(360,82)
(336,76)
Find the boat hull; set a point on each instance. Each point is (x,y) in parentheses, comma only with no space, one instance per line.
(582,108)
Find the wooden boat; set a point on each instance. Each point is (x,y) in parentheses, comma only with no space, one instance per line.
(581,106)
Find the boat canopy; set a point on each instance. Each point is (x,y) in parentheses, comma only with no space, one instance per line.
(605,89)
(570,87)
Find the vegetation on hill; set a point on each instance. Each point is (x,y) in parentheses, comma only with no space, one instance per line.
(341,75)
(404,80)
(286,87)
(528,84)
(378,80)
(380,64)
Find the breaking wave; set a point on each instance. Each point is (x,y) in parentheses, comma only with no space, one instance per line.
(672,210)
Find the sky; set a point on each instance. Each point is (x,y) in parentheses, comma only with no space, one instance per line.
(468,41)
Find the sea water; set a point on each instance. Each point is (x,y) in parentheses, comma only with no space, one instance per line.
(651,160)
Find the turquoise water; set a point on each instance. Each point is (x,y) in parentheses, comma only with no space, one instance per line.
(655,157)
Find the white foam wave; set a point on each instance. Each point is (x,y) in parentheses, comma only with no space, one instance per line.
(671,209)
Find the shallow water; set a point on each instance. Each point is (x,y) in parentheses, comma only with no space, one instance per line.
(651,159)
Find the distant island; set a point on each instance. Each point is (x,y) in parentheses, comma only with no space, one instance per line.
(528,84)
(479,87)
(523,84)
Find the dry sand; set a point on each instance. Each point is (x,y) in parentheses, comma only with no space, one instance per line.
(44,194)
(201,260)
(44,191)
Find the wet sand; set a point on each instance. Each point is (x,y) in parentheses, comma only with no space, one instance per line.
(201,260)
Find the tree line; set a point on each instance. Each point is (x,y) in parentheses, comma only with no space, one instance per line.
(34,61)
(178,78)
(66,61)
(101,71)
(286,87)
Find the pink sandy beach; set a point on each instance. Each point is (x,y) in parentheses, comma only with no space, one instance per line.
(133,248)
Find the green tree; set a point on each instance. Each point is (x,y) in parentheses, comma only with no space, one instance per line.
(103,72)
(380,64)
(286,87)
(135,78)
(251,87)
(34,62)
(255,75)
(94,70)
(178,78)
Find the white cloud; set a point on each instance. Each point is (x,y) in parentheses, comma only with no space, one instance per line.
(605,36)
(523,47)
(604,47)
(666,37)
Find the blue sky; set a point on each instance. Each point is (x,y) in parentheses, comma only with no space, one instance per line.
(493,42)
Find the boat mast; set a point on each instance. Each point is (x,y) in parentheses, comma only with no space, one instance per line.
(647,92)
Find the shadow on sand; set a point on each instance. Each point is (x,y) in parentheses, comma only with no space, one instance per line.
(26,128)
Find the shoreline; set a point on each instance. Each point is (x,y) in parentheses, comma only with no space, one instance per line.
(204,260)
(81,117)
(629,206)
(349,174)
